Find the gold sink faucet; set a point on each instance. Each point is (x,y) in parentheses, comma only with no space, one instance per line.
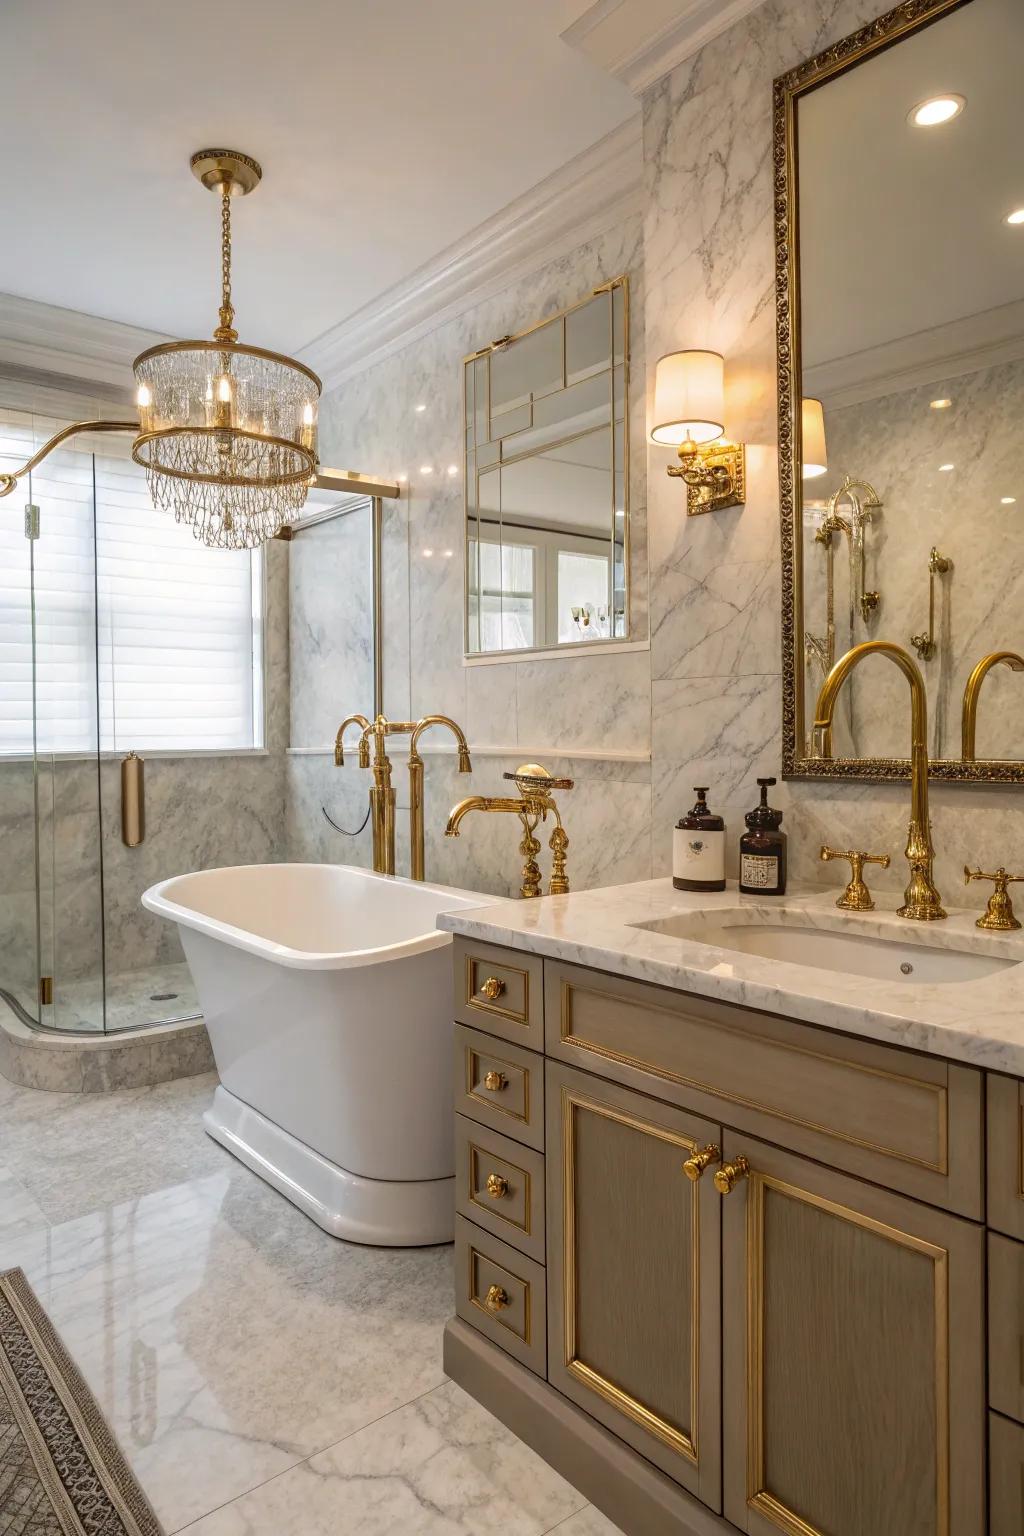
(533,804)
(921,900)
(382,791)
(969,716)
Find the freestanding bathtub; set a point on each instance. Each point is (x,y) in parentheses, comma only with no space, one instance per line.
(327,993)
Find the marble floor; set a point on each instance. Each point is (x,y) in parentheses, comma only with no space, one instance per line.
(263,1378)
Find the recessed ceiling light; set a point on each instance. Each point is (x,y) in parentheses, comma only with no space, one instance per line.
(1008,501)
(448,553)
(427,553)
(426,469)
(453,469)
(421,408)
(936,110)
(401,479)
(945,468)
(1016,217)
(940,405)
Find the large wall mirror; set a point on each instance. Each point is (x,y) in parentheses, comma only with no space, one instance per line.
(900,221)
(547,481)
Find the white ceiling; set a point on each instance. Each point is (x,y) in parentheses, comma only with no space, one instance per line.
(386,131)
(902,228)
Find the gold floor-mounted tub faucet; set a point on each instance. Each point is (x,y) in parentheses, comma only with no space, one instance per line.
(921,900)
(382,791)
(532,805)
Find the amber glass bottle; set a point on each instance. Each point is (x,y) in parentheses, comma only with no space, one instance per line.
(763,849)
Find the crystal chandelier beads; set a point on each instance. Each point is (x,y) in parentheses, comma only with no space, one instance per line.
(227,432)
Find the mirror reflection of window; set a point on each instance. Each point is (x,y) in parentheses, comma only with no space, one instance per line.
(582,596)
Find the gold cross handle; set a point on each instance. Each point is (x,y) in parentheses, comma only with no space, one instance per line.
(856,897)
(998,914)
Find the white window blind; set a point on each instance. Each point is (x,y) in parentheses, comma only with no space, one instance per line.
(144,638)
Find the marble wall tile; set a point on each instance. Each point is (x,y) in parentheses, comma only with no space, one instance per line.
(586,701)
(331,626)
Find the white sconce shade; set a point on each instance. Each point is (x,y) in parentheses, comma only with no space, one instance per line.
(813,436)
(689,398)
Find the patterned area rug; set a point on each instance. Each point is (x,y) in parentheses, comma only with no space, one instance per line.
(61,1471)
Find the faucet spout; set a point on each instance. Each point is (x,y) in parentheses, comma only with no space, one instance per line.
(339,741)
(417,838)
(969,715)
(921,900)
(480,803)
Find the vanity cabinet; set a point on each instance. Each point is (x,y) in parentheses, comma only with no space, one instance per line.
(801,1348)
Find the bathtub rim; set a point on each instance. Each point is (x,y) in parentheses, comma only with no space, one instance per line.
(157,899)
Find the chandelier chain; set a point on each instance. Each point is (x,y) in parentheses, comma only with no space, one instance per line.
(225,331)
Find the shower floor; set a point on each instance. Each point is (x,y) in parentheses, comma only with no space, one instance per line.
(152,995)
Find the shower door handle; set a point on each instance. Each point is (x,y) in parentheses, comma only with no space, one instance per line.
(133,800)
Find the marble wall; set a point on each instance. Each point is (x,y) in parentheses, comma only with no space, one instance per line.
(705,700)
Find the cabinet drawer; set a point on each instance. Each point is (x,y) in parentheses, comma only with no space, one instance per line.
(1006,1326)
(501,991)
(907,1121)
(1006,1473)
(500,1085)
(1006,1155)
(501,1293)
(500,1185)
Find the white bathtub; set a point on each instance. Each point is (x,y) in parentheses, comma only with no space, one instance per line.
(327,992)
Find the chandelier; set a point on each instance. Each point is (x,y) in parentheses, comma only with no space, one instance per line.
(227,432)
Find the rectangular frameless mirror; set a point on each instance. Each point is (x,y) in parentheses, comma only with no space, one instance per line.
(547,514)
(901,304)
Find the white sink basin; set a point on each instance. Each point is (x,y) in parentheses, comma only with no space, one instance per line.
(856,954)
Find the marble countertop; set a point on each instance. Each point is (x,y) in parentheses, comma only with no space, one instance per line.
(977,1021)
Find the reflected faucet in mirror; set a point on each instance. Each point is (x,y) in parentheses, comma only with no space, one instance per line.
(533,805)
(969,713)
(921,900)
(382,791)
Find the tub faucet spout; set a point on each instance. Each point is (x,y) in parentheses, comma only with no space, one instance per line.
(417,853)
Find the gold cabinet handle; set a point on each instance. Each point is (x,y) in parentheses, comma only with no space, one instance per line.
(496,1298)
(492,988)
(494,1082)
(497,1186)
(729,1175)
(695,1165)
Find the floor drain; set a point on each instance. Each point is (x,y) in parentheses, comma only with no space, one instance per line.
(162,997)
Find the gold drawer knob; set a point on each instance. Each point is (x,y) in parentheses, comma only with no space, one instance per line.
(729,1175)
(695,1165)
(497,1186)
(496,1298)
(494,1082)
(492,988)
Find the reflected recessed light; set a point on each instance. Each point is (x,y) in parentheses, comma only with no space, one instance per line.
(940,405)
(1016,217)
(401,479)
(937,109)
(427,554)
(448,553)
(426,469)
(421,408)
(453,469)
(945,468)
(1008,501)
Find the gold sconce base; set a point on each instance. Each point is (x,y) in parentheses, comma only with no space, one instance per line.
(716,476)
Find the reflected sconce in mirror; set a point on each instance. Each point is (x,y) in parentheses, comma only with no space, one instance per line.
(812,437)
(689,411)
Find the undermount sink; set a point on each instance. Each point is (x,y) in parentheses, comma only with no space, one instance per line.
(865,955)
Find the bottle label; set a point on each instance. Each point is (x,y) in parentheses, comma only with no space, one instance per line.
(698,855)
(759,870)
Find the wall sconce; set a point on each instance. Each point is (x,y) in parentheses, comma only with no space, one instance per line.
(689,409)
(812,438)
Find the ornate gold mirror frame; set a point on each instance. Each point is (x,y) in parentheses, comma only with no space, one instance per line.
(886,30)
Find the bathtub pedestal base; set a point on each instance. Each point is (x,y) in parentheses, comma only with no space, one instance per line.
(382,1212)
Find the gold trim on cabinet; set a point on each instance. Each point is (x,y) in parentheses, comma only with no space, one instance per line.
(676,1439)
(472,1055)
(1020,1143)
(939,1089)
(904,18)
(526,1335)
(758,1497)
(525,1226)
(472,1000)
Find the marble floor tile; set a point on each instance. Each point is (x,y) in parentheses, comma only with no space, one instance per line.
(19,1211)
(441,1466)
(589,1522)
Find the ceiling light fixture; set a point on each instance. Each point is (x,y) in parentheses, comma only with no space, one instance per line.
(945,468)
(420,408)
(1008,501)
(940,405)
(426,469)
(936,110)
(1016,217)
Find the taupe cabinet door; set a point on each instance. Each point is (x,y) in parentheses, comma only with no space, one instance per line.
(634,1273)
(853,1355)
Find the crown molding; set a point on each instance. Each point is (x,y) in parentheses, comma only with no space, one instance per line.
(584,198)
(45,339)
(641,41)
(926,357)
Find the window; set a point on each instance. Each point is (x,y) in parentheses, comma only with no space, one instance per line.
(528,587)
(144,638)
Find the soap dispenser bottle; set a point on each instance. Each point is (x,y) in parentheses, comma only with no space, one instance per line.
(698,849)
(763,849)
